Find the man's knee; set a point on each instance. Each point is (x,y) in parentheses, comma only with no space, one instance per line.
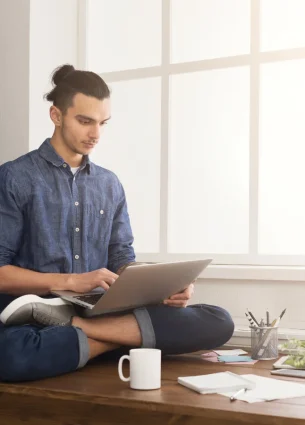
(28,353)
(197,327)
(225,326)
(216,323)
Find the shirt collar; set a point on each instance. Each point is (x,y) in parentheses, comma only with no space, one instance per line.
(47,152)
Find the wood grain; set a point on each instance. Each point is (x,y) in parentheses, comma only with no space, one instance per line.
(95,395)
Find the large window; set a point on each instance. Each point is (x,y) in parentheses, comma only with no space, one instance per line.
(208,124)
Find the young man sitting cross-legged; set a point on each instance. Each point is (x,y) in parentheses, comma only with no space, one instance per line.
(64,225)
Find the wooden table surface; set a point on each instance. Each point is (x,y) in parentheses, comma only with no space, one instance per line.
(95,395)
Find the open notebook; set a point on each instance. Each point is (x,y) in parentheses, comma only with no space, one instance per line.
(216,382)
(267,389)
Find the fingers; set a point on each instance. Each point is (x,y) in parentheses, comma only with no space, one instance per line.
(109,273)
(191,288)
(108,280)
(185,295)
(182,296)
(107,276)
(101,284)
(181,299)
(104,285)
(175,303)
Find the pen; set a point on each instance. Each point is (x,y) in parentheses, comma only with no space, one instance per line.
(233,397)
(250,320)
(255,321)
(252,324)
(267,318)
(282,314)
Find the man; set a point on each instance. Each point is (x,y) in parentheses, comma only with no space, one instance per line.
(64,225)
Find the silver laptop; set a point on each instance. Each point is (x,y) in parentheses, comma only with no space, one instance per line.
(138,286)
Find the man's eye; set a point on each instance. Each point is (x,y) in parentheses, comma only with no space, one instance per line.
(103,123)
(84,122)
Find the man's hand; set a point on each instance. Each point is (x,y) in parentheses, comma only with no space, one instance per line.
(86,282)
(182,298)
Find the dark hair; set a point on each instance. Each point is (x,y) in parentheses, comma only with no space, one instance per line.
(68,81)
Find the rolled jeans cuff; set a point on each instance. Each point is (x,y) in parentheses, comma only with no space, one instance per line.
(83,347)
(146,327)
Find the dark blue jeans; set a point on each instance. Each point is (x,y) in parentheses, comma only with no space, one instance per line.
(30,352)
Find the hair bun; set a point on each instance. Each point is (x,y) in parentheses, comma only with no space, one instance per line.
(61,72)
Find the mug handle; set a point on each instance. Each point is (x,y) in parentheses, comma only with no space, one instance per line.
(122,377)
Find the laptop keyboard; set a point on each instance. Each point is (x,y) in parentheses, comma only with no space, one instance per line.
(89,299)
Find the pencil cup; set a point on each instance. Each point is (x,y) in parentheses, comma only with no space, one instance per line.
(264,342)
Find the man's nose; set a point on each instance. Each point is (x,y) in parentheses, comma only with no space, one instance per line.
(95,133)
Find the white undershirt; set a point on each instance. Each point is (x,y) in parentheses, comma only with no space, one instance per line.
(74,169)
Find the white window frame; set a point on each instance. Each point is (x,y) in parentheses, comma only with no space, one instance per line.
(225,266)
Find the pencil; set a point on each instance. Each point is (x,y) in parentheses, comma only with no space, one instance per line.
(267,318)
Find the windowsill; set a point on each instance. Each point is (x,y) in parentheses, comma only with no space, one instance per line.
(242,336)
(236,271)
(267,273)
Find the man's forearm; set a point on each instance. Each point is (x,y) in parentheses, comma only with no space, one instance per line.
(17,281)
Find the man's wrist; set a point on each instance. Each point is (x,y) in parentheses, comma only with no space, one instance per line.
(65,282)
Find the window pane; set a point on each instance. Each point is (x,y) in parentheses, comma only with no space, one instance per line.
(209,162)
(123,34)
(282,153)
(130,147)
(282,24)
(205,29)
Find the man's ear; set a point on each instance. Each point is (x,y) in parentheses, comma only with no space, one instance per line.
(56,116)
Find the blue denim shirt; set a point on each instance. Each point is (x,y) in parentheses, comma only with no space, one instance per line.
(54,222)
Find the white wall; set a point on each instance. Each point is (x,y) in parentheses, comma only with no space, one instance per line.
(14,78)
(53,42)
(36,36)
(258,296)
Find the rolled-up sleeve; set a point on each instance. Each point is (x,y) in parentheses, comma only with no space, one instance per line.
(120,250)
(11,217)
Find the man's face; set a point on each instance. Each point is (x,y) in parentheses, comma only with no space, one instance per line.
(82,123)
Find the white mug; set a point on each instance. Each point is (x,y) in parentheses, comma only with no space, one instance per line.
(145,368)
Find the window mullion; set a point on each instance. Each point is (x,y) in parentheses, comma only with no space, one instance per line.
(254,128)
(164,167)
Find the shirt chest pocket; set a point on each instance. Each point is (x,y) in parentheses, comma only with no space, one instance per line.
(98,221)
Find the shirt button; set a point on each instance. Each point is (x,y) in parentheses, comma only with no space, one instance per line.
(101,211)
(76,203)
(77,229)
(76,257)
(64,165)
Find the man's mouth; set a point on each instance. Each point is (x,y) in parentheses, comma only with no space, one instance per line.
(89,145)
